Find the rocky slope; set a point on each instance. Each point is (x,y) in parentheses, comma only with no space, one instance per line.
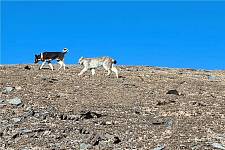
(146,108)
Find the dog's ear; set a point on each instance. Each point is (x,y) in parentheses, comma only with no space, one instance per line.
(36,56)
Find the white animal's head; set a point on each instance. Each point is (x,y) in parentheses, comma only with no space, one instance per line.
(81,60)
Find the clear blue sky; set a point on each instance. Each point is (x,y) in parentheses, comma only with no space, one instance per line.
(166,34)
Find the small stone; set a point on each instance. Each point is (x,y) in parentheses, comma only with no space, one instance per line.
(160,147)
(168,123)
(94,139)
(175,92)
(116,140)
(16,120)
(217,145)
(18,88)
(27,67)
(7,90)
(108,122)
(90,115)
(1,101)
(212,77)
(110,137)
(15,101)
(2,105)
(84,146)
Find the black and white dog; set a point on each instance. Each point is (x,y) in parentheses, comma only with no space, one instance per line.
(48,56)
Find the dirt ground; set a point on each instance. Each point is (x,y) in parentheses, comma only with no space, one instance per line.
(146,108)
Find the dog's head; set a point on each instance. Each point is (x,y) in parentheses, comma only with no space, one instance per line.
(37,58)
(81,61)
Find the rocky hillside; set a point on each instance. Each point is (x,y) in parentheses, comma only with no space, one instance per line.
(146,108)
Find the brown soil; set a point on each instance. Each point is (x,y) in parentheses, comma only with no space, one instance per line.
(146,108)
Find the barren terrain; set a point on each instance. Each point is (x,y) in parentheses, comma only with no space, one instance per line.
(146,108)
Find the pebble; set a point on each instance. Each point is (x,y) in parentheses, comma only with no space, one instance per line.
(217,145)
(18,87)
(84,146)
(160,147)
(1,101)
(16,120)
(15,101)
(7,90)
(175,92)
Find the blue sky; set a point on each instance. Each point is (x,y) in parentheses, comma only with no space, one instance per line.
(166,34)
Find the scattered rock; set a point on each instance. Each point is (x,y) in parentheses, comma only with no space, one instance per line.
(218,146)
(137,112)
(50,80)
(2,105)
(129,85)
(16,120)
(27,67)
(53,80)
(175,92)
(29,112)
(69,117)
(90,115)
(94,139)
(168,123)
(198,103)
(1,101)
(84,131)
(158,122)
(15,101)
(18,88)
(210,77)
(116,140)
(84,146)
(119,114)
(7,90)
(109,137)
(165,102)
(107,123)
(160,147)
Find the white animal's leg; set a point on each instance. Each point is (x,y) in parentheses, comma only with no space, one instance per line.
(50,65)
(109,72)
(93,71)
(42,64)
(60,63)
(115,70)
(106,67)
(82,71)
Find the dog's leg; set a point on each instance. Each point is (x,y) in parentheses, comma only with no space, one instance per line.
(60,63)
(82,71)
(64,66)
(93,71)
(42,64)
(115,70)
(50,65)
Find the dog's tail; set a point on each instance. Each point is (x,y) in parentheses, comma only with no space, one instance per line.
(65,50)
(114,61)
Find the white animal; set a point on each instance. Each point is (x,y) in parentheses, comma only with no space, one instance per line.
(92,63)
